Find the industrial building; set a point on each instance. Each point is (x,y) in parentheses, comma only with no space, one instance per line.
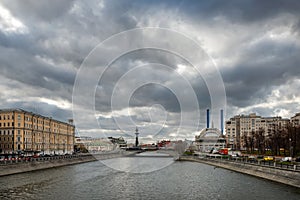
(210,138)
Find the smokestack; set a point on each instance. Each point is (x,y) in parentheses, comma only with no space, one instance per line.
(222,121)
(207,118)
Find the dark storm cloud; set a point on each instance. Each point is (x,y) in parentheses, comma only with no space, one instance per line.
(155,94)
(266,65)
(41,10)
(42,60)
(238,11)
(30,70)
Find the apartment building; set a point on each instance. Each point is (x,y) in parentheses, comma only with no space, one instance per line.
(26,132)
(241,125)
(295,120)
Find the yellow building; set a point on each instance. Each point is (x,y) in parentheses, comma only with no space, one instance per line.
(27,132)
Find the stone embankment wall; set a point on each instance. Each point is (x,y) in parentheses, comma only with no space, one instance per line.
(14,167)
(26,166)
(287,177)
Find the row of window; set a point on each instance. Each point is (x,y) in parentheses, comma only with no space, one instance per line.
(27,118)
(36,120)
(6,146)
(9,132)
(6,139)
(34,127)
(9,124)
(5,117)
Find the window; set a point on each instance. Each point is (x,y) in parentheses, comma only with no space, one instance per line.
(19,117)
(19,124)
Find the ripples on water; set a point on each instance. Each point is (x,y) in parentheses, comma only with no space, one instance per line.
(181,180)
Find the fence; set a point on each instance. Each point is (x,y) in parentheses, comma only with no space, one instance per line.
(245,160)
(41,159)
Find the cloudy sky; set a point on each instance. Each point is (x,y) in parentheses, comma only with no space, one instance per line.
(63,58)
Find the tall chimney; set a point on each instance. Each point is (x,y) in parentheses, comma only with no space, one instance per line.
(222,121)
(207,118)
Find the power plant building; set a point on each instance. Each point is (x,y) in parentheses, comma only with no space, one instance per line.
(210,138)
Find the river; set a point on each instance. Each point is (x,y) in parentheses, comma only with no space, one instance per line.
(173,180)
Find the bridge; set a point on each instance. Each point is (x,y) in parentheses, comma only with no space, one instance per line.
(155,154)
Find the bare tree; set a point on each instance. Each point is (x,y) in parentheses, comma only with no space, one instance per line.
(260,141)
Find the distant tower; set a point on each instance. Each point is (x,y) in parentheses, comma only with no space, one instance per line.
(222,121)
(137,137)
(207,118)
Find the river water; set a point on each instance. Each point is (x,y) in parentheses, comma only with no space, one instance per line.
(176,180)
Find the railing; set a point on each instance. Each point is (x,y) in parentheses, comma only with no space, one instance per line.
(263,163)
(42,159)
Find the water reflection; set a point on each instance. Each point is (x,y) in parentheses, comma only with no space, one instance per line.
(181,180)
(140,163)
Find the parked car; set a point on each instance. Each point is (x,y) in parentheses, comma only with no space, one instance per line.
(2,158)
(297,159)
(268,158)
(260,157)
(286,159)
(252,158)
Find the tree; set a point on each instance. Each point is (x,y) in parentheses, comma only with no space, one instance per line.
(260,141)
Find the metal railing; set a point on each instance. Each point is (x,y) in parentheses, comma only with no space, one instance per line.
(258,162)
(41,159)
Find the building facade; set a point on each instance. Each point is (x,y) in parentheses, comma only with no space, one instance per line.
(295,120)
(26,132)
(242,125)
(94,145)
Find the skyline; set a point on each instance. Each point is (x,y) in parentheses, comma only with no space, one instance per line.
(254,45)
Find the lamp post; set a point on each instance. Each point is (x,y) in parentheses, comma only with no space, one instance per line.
(291,148)
(64,146)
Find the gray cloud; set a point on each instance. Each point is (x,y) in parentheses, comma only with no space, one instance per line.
(255,43)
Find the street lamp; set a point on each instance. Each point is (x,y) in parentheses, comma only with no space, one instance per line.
(291,148)
(64,146)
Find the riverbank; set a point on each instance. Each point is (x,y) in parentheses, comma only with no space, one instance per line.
(11,167)
(21,167)
(287,177)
